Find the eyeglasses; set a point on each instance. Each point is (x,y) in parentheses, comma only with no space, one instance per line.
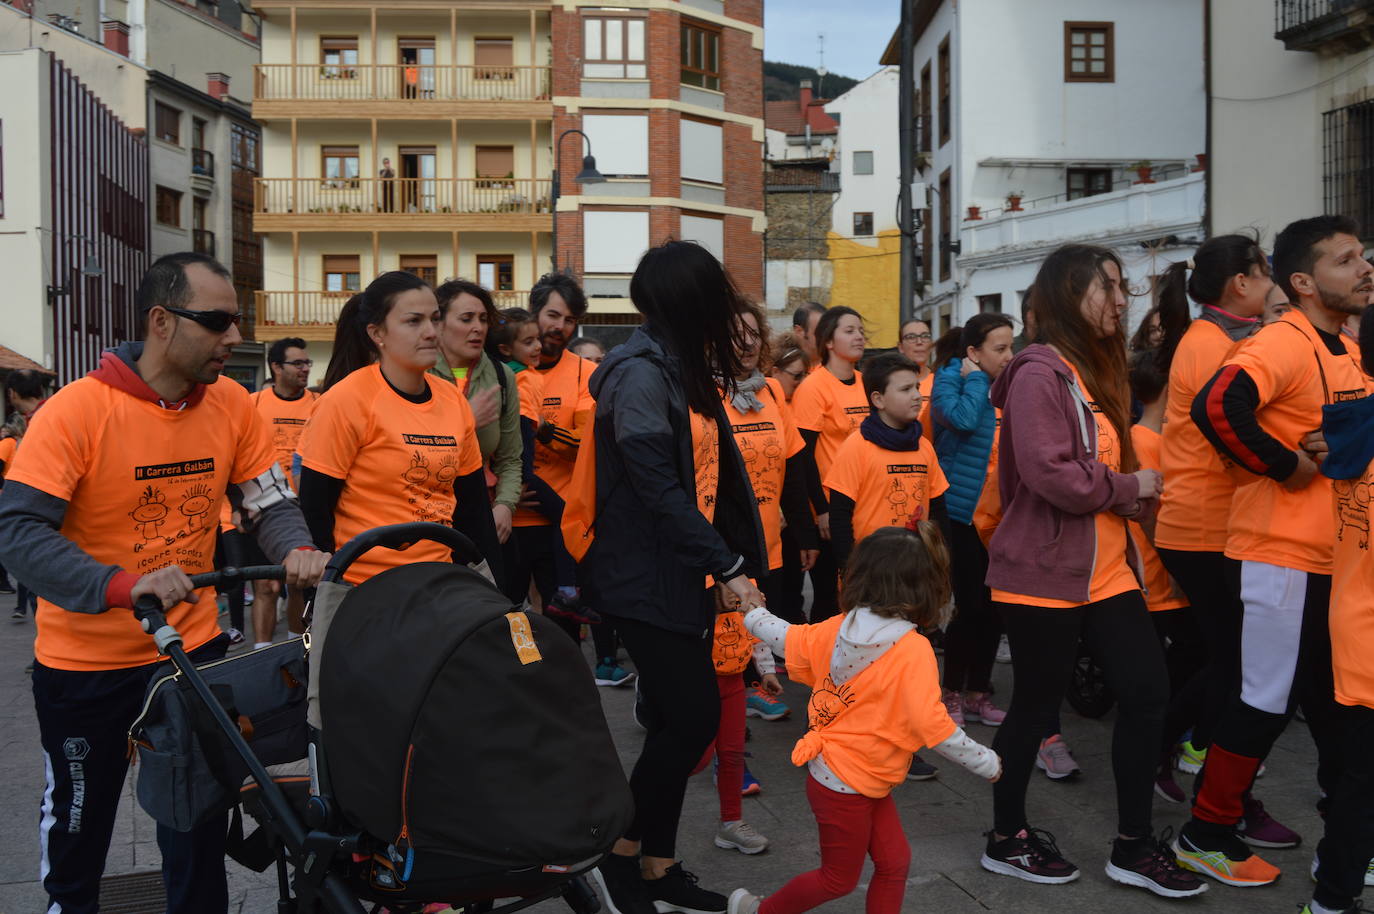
(299,363)
(215,321)
(916,337)
(794,375)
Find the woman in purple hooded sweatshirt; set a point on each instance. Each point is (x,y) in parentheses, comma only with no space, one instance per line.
(1062,566)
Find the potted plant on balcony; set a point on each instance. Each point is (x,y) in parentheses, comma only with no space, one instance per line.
(974,214)
(1143,168)
(1014,198)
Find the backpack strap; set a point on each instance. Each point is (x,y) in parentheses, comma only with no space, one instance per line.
(502,380)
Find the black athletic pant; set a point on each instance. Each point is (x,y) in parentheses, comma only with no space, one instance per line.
(1044,644)
(1185,656)
(83,722)
(229,552)
(678,682)
(537,561)
(1212,585)
(825,582)
(783,587)
(972,636)
(1348,845)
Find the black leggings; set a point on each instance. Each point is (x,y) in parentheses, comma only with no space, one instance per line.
(825,583)
(1186,659)
(783,586)
(1044,644)
(972,635)
(1212,585)
(1348,845)
(231,552)
(678,682)
(536,559)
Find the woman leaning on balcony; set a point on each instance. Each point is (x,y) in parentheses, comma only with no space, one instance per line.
(466,313)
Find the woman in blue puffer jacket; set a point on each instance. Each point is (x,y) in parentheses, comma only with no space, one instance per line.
(966,441)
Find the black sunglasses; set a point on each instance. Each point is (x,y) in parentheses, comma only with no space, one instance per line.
(214,321)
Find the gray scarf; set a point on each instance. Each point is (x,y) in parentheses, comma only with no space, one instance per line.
(743,398)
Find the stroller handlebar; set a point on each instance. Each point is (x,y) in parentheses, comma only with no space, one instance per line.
(148,608)
(400,537)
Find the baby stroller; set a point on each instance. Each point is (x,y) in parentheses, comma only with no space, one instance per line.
(457,753)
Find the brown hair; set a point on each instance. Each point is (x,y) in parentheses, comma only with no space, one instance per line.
(760,321)
(1063,280)
(900,574)
(785,350)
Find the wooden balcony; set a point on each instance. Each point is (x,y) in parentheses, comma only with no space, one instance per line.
(312,315)
(400,91)
(402,204)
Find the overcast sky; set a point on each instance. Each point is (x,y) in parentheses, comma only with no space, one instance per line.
(856,31)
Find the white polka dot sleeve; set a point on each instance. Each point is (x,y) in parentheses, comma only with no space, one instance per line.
(769,629)
(976,757)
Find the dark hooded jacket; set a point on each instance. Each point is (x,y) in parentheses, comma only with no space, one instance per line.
(653,549)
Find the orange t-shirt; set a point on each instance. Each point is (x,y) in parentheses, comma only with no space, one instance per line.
(927,424)
(867,728)
(766,440)
(143,487)
(887,487)
(706,468)
(7,448)
(398,461)
(1267,522)
(825,404)
(733,646)
(1352,592)
(286,419)
(1197,499)
(566,402)
(1112,575)
(530,385)
(1160,590)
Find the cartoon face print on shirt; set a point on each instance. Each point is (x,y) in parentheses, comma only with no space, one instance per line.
(760,444)
(906,492)
(196,506)
(827,702)
(175,505)
(429,476)
(1352,509)
(150,514)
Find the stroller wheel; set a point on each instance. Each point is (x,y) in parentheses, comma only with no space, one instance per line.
(580,897)
(1089,693)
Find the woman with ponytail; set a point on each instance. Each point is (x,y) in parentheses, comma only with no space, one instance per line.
(1229,279)
(1063,567)
(389,443)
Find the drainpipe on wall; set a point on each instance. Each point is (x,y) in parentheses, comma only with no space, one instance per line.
(1207,113)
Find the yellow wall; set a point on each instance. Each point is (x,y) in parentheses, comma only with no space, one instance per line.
(866,279)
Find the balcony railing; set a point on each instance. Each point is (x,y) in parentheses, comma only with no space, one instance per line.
(305,309)
(400,82)
(203,241)
(1348,161)
(203,162)
(1344,26)
(466,196)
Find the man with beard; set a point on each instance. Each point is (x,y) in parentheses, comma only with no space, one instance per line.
(116,495)
(1260,411)
(558,303)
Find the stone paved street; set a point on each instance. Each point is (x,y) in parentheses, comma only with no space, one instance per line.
(944,819)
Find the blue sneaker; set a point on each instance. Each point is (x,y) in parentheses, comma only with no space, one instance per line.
(760,704)
(751,784)
(610,673)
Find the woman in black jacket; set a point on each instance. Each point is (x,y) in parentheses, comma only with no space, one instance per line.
(673,505)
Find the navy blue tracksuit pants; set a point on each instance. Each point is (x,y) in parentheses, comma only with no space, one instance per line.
(83,722)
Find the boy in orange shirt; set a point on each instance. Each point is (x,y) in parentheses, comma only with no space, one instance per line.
(875,702)
(1259,411)
(886,473)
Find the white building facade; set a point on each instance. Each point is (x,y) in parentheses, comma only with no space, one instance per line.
(1024,111)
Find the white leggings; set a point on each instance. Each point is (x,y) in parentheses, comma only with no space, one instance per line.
(1271,633)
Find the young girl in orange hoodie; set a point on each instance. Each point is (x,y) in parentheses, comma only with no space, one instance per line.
(875,702)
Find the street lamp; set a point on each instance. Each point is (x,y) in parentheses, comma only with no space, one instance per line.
(588,175)
(90,268)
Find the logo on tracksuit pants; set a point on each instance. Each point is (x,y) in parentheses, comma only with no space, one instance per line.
(76,749)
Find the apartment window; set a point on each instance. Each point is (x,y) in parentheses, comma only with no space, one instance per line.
(199,209)
(707,231)
(863,162)
(342,273)
(1086,182)
(946,222)
(496,272)
(943,64)
(197,133)
(339,56)
(621,142)
(339,166)
(927,249)
(863,224)
(425,266)
(169,207)
(924,128)
(1089,55)
(167,123)
(1348,161)
(700,56)
(614,240)
(702,147)
(613,48)
(243,147)
(495,58)
(495,166)
(990,304)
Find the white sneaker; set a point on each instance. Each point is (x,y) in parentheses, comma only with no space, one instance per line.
(741,902)
(1003,651)
(740,836)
